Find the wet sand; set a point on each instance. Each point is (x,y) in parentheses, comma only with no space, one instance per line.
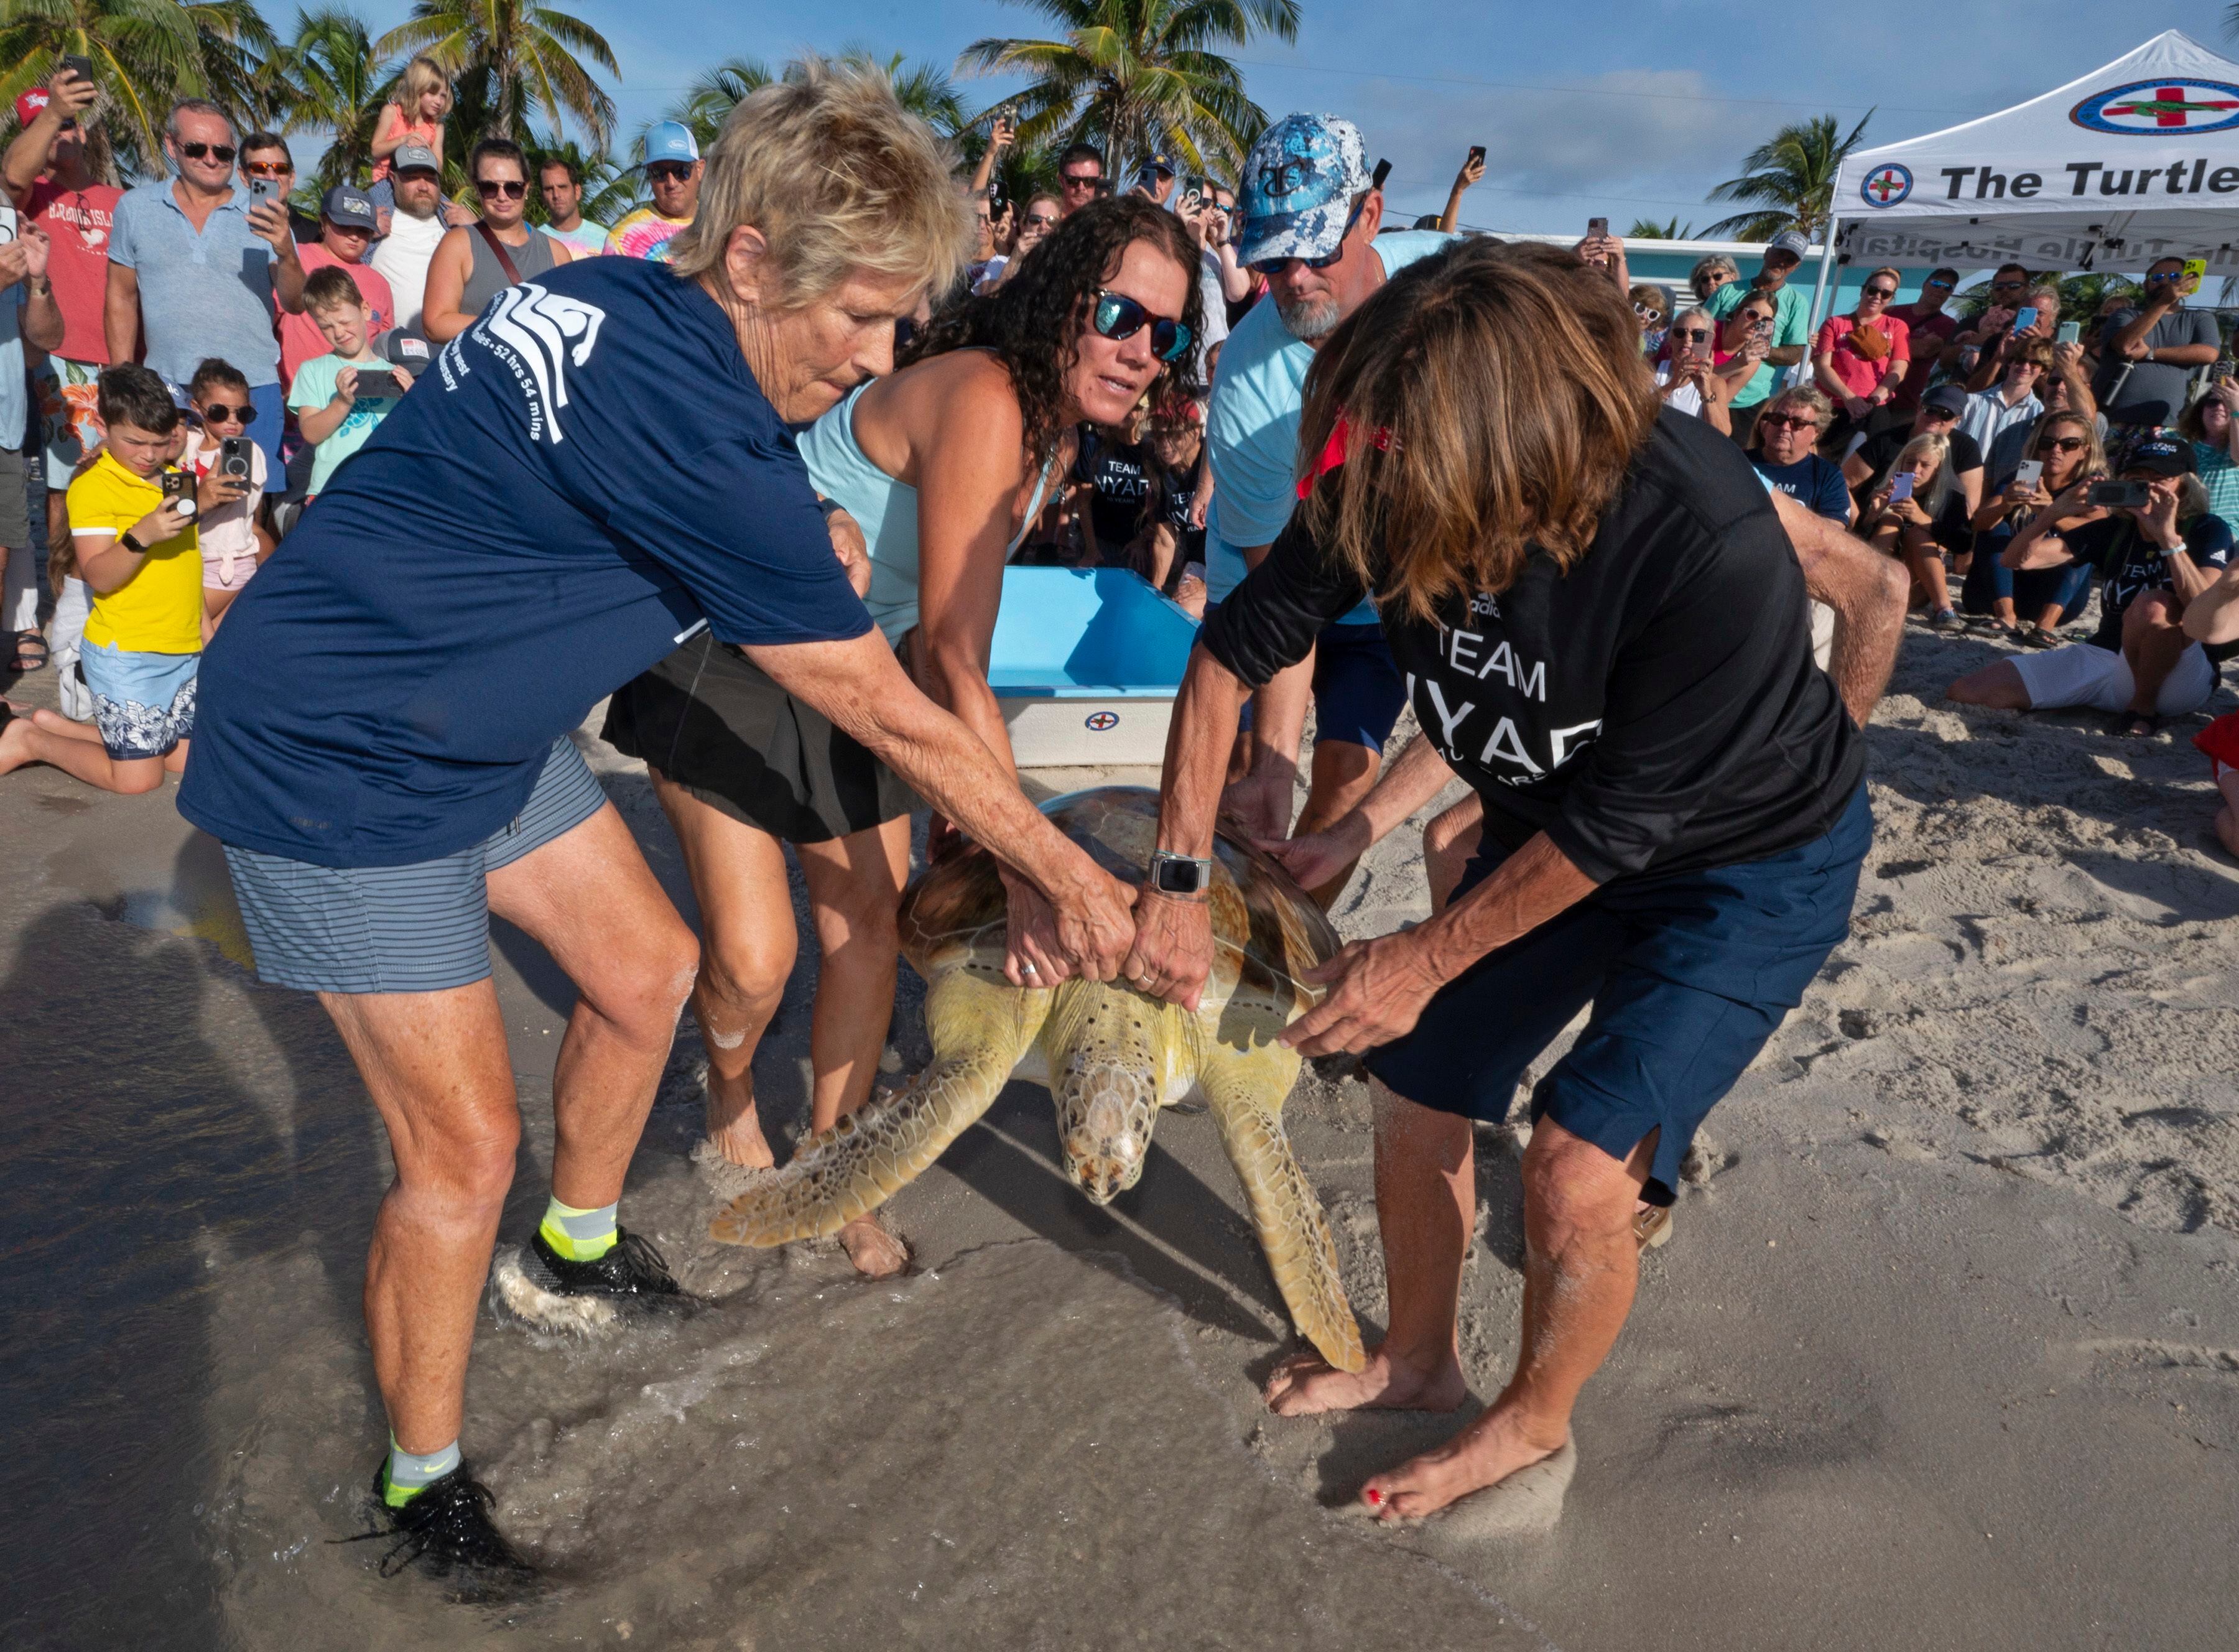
(1944,1350)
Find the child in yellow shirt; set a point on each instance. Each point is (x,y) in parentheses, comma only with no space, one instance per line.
(134,541)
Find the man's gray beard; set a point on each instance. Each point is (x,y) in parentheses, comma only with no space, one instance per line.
(1315,319)
(410,212)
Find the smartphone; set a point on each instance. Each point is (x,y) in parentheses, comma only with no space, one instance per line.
(1476,153)
(2025,320)
(2117,495)
(176,484)
(2028,473)
(259,188)
(1191,197)
(2195,268)
(233,458)
(2068,333)
(1597,227)
(1901,488)
(377,385)
(83,68)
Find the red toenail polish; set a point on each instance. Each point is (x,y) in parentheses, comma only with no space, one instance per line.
(1375,1497)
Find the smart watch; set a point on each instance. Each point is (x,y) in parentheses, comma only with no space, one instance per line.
(131,544)
(1174,875)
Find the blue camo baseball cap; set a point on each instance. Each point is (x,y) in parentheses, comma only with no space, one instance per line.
(1299,184)
(670,140)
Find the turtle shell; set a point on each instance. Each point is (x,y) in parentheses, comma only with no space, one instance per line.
(1267,932)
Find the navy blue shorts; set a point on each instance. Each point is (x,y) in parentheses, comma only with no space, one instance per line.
(421,928)
(1689,973)
(1358,687)
(1358,690)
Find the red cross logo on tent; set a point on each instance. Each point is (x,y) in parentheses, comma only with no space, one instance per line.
(2169,107)
(2151,108)
(1886,186)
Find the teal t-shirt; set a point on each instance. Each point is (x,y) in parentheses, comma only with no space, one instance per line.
(1791,324)
(1252,429)
(314,387)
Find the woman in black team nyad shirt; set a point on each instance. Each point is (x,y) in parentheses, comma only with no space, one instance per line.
(1602,625)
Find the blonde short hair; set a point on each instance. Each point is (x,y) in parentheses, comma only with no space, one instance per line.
(838,178)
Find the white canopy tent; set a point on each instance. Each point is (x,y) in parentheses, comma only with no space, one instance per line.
(2134,162)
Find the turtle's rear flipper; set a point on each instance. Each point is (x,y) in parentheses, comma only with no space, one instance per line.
(1285,1210)
(979,1029)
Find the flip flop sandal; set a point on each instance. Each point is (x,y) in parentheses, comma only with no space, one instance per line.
(2135,725)
(28,642)
(1652,1226)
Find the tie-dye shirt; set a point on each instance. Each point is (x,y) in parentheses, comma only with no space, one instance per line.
(644,233)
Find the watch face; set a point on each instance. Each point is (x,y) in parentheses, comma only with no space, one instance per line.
(1179,877)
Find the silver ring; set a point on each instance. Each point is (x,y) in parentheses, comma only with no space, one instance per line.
(1028,969)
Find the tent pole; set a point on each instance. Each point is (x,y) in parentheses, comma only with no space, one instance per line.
(1800,373)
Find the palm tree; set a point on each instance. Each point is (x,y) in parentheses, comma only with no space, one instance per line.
(1135,75)
(609,192)
(713,93)
(1649,229)
(333,81)
(506,58)
(1790,182)
(924,90)
(146,54)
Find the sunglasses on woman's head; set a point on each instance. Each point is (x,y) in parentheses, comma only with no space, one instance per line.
(1117,316)
(511,188)
(222,412)
(224,152)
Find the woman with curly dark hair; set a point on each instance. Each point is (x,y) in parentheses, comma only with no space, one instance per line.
(942,466)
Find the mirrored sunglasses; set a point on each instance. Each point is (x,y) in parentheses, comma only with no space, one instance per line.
(1117,316)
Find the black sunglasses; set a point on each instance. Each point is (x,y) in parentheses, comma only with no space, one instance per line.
(224,152)
(2065,444)
(1039,221)
(220,410)
(1696,334)
(1878,292)
(511,188)
(1082,180)
(668,171)
(1276,266)
(1117,316)
(1773,421)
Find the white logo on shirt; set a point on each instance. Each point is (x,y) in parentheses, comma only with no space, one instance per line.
(541,334)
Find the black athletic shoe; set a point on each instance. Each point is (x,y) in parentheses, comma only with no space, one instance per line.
(633,1272)
(446,1531)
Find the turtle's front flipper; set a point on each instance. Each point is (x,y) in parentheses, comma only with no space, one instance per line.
(979,1028)
(1248,1107)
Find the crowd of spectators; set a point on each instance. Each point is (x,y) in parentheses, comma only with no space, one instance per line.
(1970,447)
(188,360)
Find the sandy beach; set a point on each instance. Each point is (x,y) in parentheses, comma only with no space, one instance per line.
(1945,1351)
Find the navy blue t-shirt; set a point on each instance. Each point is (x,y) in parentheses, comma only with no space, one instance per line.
(1812,481)
(583,475)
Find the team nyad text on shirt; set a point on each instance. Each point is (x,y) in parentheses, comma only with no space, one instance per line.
(1657,708)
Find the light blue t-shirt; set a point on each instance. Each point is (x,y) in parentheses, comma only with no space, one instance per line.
(1252,429)
(14,399)
(314,386)
(200,294)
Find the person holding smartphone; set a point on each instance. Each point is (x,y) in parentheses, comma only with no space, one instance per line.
(1790,330)
(2157,548)
(196,268)
(229,476)
(132,526)
(2148,352)
(340,399)
(1472,171)
(2212,425)
(2064,457)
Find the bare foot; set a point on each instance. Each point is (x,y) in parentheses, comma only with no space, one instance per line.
(1306,1384)
(875,1252)
(734,1129)
(1497,1444)
(15,742)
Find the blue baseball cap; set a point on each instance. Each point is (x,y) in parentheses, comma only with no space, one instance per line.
(1299,184)
(345,206)
(670,140)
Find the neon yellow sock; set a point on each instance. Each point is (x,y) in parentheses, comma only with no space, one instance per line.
(410,1473)
(580,1235)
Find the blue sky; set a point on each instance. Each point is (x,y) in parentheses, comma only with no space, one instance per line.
(1623,109)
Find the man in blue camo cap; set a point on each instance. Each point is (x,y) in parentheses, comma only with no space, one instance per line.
(1307,211)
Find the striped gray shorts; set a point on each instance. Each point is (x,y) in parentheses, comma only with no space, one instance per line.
(420,928)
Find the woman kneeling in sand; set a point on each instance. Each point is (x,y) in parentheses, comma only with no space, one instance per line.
(942,465)
(1605,628)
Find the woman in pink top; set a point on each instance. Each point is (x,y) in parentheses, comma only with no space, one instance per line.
(1861,359)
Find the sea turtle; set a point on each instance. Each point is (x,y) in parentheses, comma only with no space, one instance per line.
(1111,1056)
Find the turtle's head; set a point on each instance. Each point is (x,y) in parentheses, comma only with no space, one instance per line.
(1103,1114)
